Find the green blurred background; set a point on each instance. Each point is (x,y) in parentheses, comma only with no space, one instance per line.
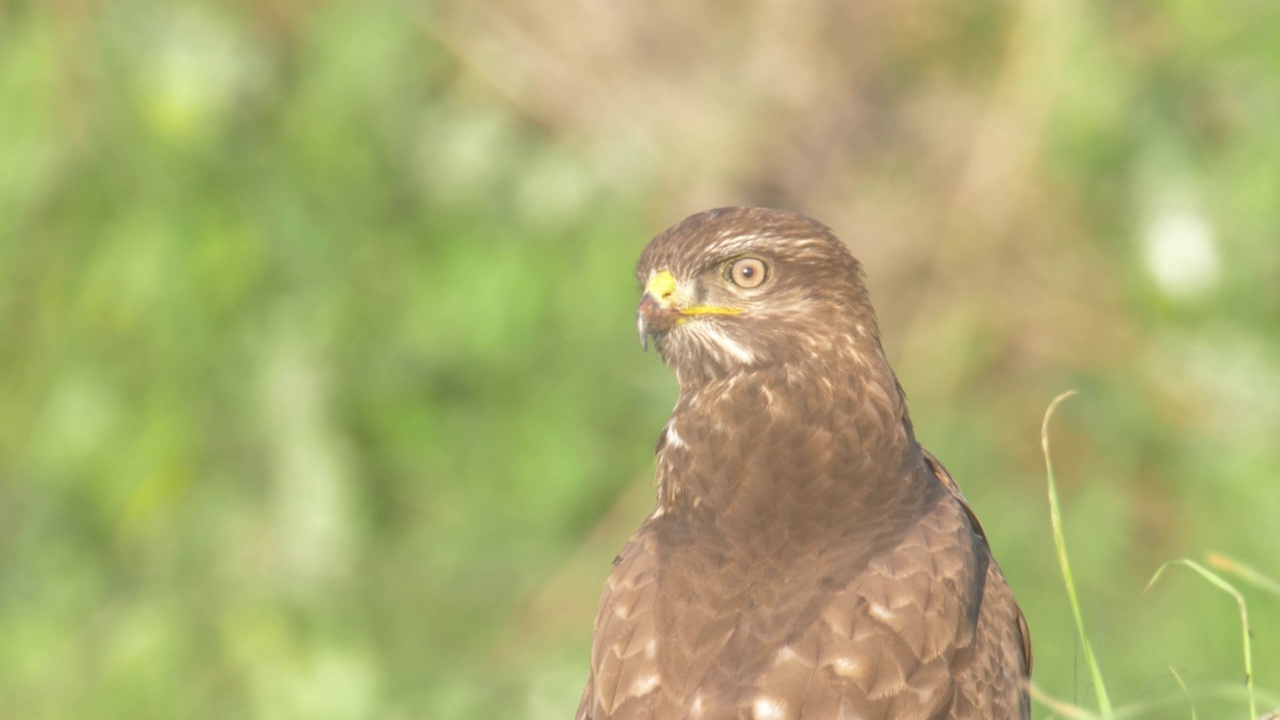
(319,387)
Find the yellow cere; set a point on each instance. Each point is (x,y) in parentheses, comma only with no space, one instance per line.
(662,285)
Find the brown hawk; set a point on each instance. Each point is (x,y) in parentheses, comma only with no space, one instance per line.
(807,559)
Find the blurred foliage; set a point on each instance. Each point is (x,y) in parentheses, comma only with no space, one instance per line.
(319,394)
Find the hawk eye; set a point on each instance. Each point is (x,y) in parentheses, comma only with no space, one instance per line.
(747,272)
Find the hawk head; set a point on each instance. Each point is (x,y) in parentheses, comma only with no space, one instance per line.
(735,288)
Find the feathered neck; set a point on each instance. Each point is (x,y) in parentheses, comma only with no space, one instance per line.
(814,447)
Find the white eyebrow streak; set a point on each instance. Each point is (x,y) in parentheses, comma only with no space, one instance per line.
(729,243)
(728,240)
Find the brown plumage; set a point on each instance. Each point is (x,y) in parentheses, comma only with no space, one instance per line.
(807,559)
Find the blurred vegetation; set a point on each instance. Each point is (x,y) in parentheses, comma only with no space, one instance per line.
(319,393)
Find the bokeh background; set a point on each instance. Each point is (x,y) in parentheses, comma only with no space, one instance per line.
(319,387)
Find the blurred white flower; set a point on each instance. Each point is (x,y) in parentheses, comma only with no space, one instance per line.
(1181,251)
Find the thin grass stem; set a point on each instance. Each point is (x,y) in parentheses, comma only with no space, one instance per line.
(1060,707)
(1060,543)
(1182,684)
(1244,572)
(1230,589)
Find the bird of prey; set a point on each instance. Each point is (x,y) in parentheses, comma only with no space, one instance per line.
(807,559)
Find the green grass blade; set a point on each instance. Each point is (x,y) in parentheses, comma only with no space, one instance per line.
(1228,588)
(1060,543)
(1244,572)
(1059,707)
(1185,691)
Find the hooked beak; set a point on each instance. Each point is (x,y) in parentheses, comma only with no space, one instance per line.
(658,312)
(660,308)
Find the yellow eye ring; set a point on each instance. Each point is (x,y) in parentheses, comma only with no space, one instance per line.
(747,272)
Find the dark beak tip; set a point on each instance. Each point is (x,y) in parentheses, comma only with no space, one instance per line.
(653,318)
